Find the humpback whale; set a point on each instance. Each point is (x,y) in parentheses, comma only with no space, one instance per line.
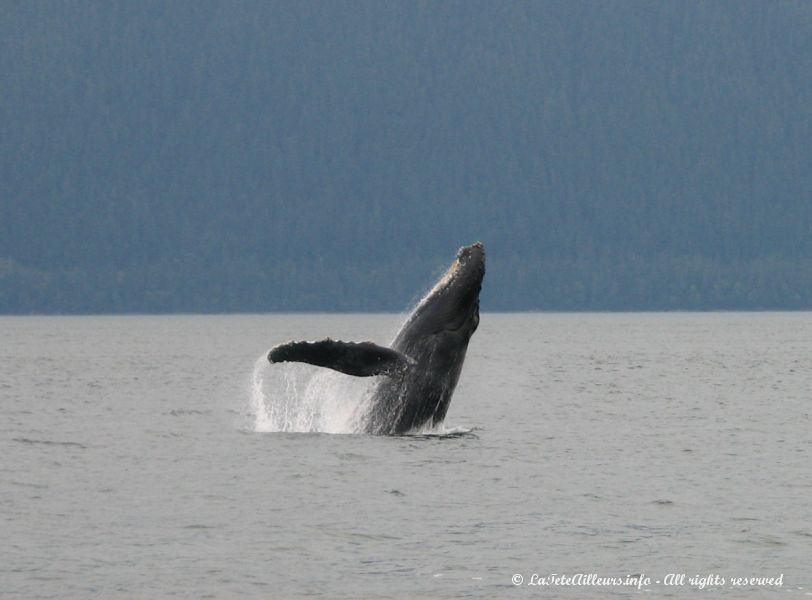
(420,369)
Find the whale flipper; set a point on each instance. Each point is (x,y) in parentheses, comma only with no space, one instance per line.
(362,359)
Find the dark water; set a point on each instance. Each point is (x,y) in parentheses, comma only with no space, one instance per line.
(138,460)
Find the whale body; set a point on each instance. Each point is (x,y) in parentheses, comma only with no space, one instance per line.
(420,369)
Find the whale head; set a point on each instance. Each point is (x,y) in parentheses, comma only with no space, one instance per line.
(452,305)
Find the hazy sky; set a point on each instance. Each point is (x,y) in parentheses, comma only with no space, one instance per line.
(282,155)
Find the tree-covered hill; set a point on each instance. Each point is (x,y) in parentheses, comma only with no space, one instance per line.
(253,156)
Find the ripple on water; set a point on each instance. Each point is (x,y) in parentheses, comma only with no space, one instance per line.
(49,443)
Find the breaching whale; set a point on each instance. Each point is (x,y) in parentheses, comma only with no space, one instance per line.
(419,371)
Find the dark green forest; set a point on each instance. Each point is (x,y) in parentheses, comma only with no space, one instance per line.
(282,156)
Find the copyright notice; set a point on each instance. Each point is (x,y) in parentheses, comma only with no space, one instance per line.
(641,580)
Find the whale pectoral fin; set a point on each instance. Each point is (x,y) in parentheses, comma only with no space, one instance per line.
(362,359)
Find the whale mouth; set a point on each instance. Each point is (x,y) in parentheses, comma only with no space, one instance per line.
(470,264)
(475,251)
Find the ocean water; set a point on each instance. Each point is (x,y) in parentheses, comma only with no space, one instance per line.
(151,457)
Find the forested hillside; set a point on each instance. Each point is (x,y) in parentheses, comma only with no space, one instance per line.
(255,156)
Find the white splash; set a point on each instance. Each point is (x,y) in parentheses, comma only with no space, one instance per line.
(441,431)
(294,397)
(262,418)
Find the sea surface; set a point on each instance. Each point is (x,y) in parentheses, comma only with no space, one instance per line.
(160,457)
